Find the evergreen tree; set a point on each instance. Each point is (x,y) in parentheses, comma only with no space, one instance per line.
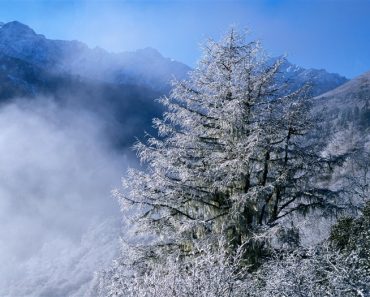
(235,157)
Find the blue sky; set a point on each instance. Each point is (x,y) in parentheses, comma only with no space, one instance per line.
(330,34)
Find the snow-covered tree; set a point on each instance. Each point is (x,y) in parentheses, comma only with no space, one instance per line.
(234,160)
(317,272)
(232,156)
(338,267)
(210,270)
(358,174)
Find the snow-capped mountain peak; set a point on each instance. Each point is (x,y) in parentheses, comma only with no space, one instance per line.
(320,80)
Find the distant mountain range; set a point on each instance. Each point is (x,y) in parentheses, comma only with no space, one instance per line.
(120,87)
(144,66)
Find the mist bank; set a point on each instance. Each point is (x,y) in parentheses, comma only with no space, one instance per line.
(59,222)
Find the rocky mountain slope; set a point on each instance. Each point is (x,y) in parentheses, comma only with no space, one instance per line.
(349,104)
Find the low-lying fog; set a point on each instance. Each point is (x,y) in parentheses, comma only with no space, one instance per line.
(58,220)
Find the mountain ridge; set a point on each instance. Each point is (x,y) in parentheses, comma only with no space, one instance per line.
(74,57)
(143,66)
(362,81)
